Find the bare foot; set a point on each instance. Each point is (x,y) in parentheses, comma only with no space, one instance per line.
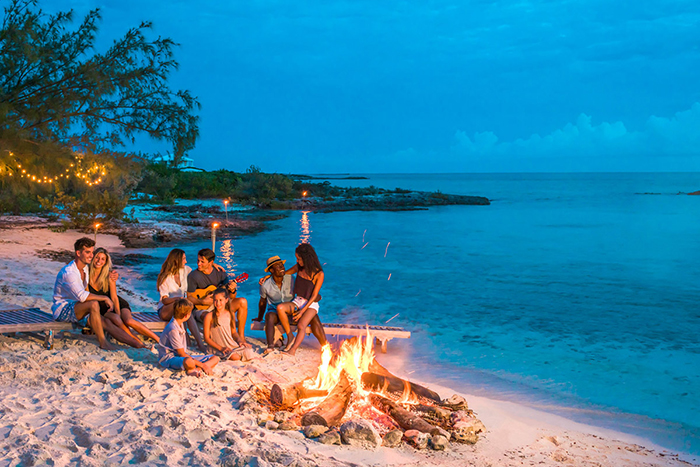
(289,352)
(195,372)
(107,346)
(268,351)
(206,368)
(290,343)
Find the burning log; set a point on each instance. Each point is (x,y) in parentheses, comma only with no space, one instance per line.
(434,413)
(406,420)
(331,410)
(375,382)
(288,395)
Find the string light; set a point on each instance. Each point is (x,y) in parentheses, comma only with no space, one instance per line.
(91,175)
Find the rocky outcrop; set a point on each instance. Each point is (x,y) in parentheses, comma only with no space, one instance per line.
(401,201)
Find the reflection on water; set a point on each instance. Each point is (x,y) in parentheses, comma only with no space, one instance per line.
(305,236)
(227,256)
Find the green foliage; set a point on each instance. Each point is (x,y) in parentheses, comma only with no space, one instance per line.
(60,98)
(163,184)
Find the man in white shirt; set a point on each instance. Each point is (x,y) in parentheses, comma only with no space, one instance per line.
(74,304)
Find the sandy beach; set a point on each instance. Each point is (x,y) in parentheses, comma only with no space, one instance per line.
(78,405)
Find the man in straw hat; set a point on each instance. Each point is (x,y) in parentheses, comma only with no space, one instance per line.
(276,289)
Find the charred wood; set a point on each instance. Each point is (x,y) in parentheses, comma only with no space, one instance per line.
(393,384)
(406,420)
(331,410)
(287,395)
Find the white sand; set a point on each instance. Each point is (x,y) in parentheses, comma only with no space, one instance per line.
(76,404)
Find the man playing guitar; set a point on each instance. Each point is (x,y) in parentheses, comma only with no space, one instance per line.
(202,282)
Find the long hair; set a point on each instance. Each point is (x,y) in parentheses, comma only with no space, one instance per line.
(312,265)
(101,278)
(171,266)
(215,313)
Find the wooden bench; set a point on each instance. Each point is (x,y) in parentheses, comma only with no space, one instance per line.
(381,334)
(14,320)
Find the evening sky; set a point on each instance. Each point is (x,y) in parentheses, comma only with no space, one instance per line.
(432,86)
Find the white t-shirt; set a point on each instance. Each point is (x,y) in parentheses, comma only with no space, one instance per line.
(170,289)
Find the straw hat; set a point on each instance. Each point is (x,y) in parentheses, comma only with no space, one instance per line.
(272,261)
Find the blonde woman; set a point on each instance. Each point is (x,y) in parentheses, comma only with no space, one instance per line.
(172,286)
(103,281)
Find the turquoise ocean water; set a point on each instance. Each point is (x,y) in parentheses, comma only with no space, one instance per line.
(576,293)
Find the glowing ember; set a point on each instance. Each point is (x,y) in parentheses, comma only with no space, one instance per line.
(354,358)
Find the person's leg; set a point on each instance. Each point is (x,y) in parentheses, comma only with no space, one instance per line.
(91,309)
(284,310)
(317,330)
(190,368)
(301,329)
(166,312)
(270,323)
(117,331)
(117,321)
(137,325)
(239,306)
(194,329)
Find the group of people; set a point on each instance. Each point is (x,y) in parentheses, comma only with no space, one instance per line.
(85,293)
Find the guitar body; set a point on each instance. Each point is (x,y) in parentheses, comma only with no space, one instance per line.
(201,293)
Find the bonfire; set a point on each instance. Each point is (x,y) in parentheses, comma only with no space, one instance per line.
(352,387)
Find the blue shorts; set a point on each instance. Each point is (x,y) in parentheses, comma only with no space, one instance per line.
(178,363)
(66,314)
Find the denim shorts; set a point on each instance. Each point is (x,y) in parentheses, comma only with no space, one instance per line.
(178,363)
(300,302)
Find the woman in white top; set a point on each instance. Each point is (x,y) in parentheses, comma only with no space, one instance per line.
(172,285)
(172,282)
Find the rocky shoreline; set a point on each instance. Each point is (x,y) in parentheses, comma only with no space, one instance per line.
(391,201)
(155,225)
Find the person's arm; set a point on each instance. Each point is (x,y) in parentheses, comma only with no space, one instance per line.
(113,276)
(208,320)
(235,335)
(318,282)
(262,305)
(100,298)
(164,292)
(293,270)
(208,300)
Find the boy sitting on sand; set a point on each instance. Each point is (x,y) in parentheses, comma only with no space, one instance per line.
(172,348)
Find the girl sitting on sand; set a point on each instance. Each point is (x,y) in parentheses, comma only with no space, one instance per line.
(172,286)
(307,287)
(220,330)
(103,281)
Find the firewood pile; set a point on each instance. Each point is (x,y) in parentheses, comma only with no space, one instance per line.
(363,404)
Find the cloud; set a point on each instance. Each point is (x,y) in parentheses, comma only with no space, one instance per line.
(677,136)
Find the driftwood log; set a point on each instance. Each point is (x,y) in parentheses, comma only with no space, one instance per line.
(396,385)
(406,420)
(331,410)
(287,395)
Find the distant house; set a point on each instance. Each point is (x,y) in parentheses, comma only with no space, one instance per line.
(186,164)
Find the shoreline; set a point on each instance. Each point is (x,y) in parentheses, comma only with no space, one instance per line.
(514,430)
